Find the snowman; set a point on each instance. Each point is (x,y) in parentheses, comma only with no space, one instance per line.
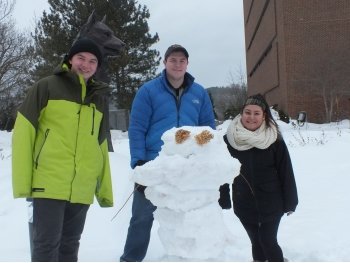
(183,182)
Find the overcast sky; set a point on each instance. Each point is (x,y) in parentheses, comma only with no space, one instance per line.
(211,31)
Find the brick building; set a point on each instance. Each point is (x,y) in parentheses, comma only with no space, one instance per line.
(298,55)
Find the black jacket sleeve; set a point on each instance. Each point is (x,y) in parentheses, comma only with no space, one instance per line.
(286,175)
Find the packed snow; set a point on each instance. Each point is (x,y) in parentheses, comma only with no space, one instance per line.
(187,205)
(317,231)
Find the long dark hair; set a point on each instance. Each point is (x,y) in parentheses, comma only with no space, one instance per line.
(259,100)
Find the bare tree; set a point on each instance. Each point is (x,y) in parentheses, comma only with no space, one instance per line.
(239,77)
(6,9)
(322,79)
(331,81)
(229,100)
(239,93)
(14,65)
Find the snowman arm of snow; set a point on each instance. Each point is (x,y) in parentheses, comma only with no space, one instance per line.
(139,187)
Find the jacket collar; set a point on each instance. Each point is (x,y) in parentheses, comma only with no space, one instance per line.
(188,80)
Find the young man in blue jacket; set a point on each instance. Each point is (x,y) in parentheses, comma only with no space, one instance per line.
(171,100)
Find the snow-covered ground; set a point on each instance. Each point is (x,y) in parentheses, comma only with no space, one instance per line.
(317,231)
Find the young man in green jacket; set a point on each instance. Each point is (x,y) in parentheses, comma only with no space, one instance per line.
(60,154)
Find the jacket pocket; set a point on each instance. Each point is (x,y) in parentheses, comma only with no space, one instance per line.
(41,148)
(271,187)
(242,193)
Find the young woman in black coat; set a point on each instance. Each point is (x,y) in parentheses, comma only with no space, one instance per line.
(265,188)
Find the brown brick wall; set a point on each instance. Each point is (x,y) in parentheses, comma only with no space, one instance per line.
(310,54)
(263,37)
(266,74)
(255,14)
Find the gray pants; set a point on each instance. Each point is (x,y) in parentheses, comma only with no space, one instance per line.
(57,228)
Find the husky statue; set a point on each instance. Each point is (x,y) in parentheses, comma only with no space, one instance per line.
(105,38)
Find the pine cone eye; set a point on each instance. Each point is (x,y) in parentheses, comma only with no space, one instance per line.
(204,137)
(181,136)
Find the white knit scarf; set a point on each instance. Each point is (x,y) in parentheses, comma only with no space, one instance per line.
(242,139)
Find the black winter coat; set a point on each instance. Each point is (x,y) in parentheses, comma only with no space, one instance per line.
(265,188)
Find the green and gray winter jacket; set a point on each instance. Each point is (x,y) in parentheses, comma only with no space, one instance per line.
(59,145)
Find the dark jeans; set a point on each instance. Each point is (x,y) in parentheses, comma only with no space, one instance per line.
(264,241)
(139,232)
(57,228)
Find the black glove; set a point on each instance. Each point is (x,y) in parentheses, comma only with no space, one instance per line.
(139,187)
(225,198)
(140,162)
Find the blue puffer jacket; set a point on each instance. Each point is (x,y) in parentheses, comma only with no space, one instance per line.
(156,109)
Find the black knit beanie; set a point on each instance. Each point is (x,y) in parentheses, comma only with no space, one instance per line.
(257,99)
(85,45)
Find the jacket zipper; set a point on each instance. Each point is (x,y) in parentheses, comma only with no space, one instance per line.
(93,121)
(83,95)
(178,95)
(42,146)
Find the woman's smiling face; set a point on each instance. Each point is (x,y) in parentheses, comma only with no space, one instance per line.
(252,117)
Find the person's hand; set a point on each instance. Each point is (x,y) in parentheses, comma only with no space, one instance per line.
(140,162)
(139,187)
(225,198)
(289,213)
